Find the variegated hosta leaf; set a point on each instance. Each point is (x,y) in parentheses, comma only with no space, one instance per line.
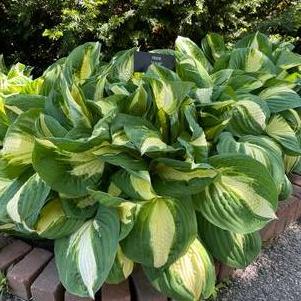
(164,228)
(4,121)
(257,41)
(213,46)
(168,95)
(126,209)
(261,148)
(4,183)
(288,59)
(196,144)
(222,77)
(215,110)
(233,249)
(138,102)
(202,95)
(293,119)
(297,168)
(283,80)
(82,208)
(243,82)
(119,88)
(47,126)
(24,207)
(127,215)
(20,103)
(251,60)
(15,80)
(136,185)
(73,105)
(290,162)
(33,87)
(105,198)
(94,87)
(85,258)
(160,72)
(81,62)
(120,138)
(112,104)
(240,81)
(279,129)
(286,189)
(248,117)
(68,105)
(121,67)
(122,157)
(222,63)
(178,178)
(188,47)
(120,120)
(76,140)
(146,140)
(67,172)
(54,223)
(214,130)
(196,149)
(189,278)
(51,76)
(189,70)
(121,269)
(16,154)
(280,99)
(242,199)
(9,188)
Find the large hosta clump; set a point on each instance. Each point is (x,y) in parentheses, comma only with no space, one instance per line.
(165,169)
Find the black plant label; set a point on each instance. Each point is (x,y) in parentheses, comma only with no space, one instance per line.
(142,60)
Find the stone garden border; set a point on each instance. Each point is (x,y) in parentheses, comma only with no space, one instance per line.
(31,272)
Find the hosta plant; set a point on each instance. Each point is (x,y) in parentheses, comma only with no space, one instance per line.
(167,169)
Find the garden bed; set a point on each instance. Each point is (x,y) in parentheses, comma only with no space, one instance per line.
(31,271)
(113,167)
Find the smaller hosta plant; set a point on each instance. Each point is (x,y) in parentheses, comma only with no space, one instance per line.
(164,169)
(17,80)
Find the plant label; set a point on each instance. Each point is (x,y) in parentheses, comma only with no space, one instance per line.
(142,60)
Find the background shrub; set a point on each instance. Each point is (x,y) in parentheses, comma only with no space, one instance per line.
(37,32)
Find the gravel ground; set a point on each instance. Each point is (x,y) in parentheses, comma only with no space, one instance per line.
(275,276)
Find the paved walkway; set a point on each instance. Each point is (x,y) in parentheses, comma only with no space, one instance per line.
(275,276)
